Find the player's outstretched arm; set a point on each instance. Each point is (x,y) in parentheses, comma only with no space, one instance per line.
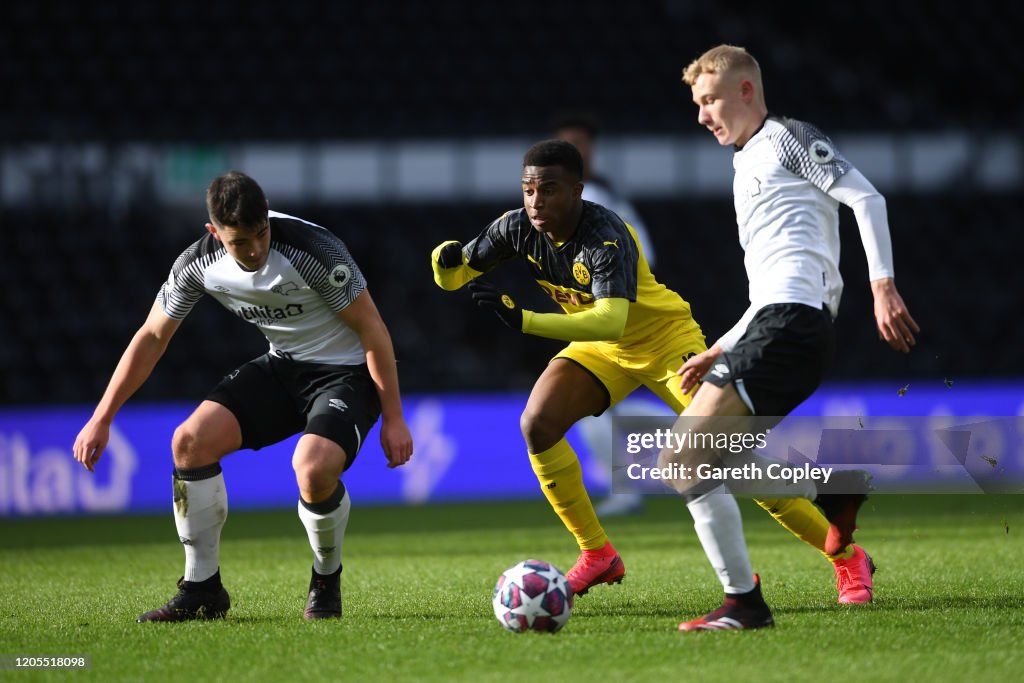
(895,324)
(364,319)
(605,321)
(136,365)
(451,268)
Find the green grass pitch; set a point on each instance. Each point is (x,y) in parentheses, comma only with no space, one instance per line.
(418,581)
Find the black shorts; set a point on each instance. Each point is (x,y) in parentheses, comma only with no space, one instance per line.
(273,398)
(780,360)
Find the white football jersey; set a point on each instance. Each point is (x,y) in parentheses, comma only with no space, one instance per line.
(309,276)
(788,224)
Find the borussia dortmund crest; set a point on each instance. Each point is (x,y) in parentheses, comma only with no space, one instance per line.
(580,272)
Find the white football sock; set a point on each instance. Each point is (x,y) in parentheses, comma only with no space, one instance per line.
(326,530)
(200,510)
(717,521)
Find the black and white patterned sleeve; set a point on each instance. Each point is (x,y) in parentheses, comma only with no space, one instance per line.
(326,265)
(184,285)
(806,151)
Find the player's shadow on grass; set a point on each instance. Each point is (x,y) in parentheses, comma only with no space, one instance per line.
(118,530)
(275,620)
(236,617)
(909,604)
(902,604)
(602,611)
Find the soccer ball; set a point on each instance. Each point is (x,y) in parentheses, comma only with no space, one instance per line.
(532,596)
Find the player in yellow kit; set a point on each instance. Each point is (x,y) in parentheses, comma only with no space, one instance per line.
(624,329)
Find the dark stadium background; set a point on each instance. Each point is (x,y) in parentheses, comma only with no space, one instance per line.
(84,256)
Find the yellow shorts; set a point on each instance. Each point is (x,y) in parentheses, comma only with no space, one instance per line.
(652,364)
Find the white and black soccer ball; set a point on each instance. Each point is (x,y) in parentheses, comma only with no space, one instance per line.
(532,596)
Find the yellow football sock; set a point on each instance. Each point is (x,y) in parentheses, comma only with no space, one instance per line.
(805,521)
(561,478)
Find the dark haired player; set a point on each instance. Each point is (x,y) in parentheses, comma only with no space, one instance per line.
(329,373)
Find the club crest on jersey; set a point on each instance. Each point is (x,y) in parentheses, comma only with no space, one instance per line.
(285,288)
(580,272)
(821,152)
(340,276)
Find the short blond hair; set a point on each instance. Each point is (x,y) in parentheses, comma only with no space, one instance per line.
(722,60)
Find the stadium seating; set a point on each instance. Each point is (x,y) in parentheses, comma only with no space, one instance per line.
(309,69)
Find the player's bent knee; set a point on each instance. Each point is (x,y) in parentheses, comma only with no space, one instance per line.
(191,448)
(318,463)
(313,467)
(540,431)
(667,458)
(210,432)
(670,461)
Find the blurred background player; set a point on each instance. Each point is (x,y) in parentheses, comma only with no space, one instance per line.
(582,129)
(330,373)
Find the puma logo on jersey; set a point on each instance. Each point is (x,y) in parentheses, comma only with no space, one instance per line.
(534,261)
(337,404)
(614,243)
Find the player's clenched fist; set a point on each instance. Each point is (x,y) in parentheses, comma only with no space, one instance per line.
(449,254)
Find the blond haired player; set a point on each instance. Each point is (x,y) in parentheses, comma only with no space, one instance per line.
(789,181)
